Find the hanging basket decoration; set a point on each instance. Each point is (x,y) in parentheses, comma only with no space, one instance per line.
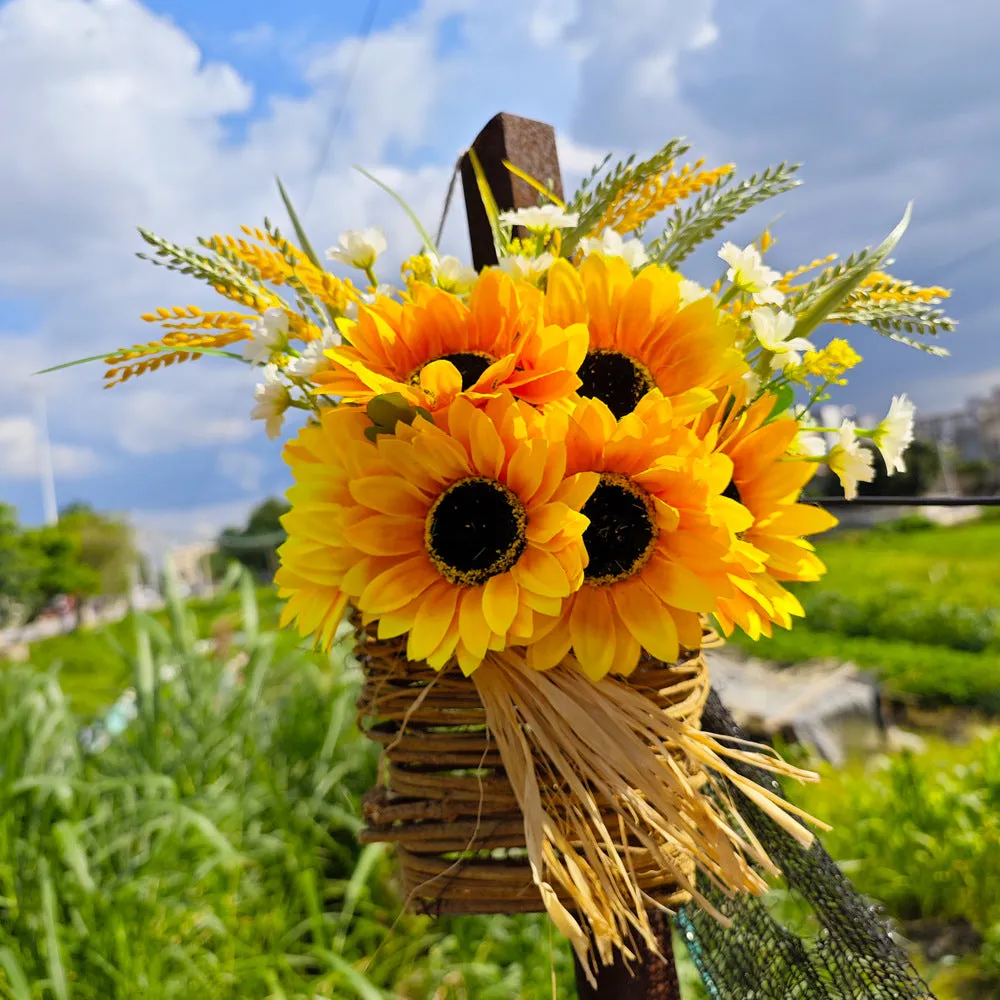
(536,491)
(459,825)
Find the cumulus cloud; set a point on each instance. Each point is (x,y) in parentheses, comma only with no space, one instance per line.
(159,531)
(20,452)
(245,468)
(120,120)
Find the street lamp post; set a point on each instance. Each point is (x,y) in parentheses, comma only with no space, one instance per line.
(46,471)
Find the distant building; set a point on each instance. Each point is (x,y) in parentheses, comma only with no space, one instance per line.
(972,431)
(192,564)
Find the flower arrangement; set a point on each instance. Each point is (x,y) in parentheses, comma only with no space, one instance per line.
(551,474)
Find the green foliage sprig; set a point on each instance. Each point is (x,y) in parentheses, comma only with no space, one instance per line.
(715,208)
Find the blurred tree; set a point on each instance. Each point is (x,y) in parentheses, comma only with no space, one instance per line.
(255,546)
(923,466)
(57,568)
(977,478)
(105,544)
(18,573)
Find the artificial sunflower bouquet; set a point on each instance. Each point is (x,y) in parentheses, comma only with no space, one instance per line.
(536,493)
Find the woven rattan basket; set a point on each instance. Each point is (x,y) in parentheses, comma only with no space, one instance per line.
(445,801)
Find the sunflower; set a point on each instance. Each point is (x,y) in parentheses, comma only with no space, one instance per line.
(640,337)
(767,481)
(657,540)
(435,345)
(456,533)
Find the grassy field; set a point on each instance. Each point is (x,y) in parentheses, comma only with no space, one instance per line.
(919,833)
(211,850)
(918,606)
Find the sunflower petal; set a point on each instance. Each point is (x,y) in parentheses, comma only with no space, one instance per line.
(647,618)
(500,600)
(592,628)
(390,495)
(388,536)
(541,573)
(397,586)
(432,620)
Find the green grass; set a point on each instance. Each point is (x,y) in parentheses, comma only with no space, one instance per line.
(955,565)
(932,675)
(919,609)
(919,832)
(96,664)
(211,850)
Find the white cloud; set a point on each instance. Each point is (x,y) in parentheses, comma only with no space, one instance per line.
(261,36)
(120,121)
(20,452)
(245,468)
(158,531)
(950,392)
(155,420)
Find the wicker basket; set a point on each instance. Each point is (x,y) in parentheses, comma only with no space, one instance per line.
(446,801)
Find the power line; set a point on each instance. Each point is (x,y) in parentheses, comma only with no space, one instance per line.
(338,109)
(904,501)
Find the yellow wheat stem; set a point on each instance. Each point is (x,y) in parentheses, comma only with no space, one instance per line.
(784,283)
(882,287)
(634,205)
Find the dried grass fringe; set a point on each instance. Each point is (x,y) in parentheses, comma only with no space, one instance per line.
(571,749)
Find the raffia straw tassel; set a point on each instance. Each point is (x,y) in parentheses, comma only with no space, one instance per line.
(579,754)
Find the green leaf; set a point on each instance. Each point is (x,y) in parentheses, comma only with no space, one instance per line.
(784,397)
(297,226)
(53,955)
(836,294)
(17,981)
(359,983)
(429,244)
(73,855)
(249,607)
(387,410)
(500,241)
(166,350)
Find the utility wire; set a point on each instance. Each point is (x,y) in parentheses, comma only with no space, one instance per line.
(338,109)
(904,501)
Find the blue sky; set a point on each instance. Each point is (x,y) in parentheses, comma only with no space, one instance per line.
(176,114)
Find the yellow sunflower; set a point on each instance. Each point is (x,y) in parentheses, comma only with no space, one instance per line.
(640,336)
(657,540)
(767,481)
(456,533)
(435,346)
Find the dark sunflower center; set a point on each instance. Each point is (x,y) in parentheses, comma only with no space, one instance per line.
(615,379)
(470,365)
(622,531)
(475,530)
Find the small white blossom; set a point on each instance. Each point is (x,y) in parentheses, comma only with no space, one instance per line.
(807,441)
(748,273)
(691,291)
(526,268)
(611,244)
(312,359)
(541,219)
(772,330)
(753,383)
(452,275)
(851,463)
(267,335)
(769,297)
(359,248)
(272,401)
(368,298)
(894,434)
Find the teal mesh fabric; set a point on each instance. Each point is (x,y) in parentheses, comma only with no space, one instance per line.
(854,956)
